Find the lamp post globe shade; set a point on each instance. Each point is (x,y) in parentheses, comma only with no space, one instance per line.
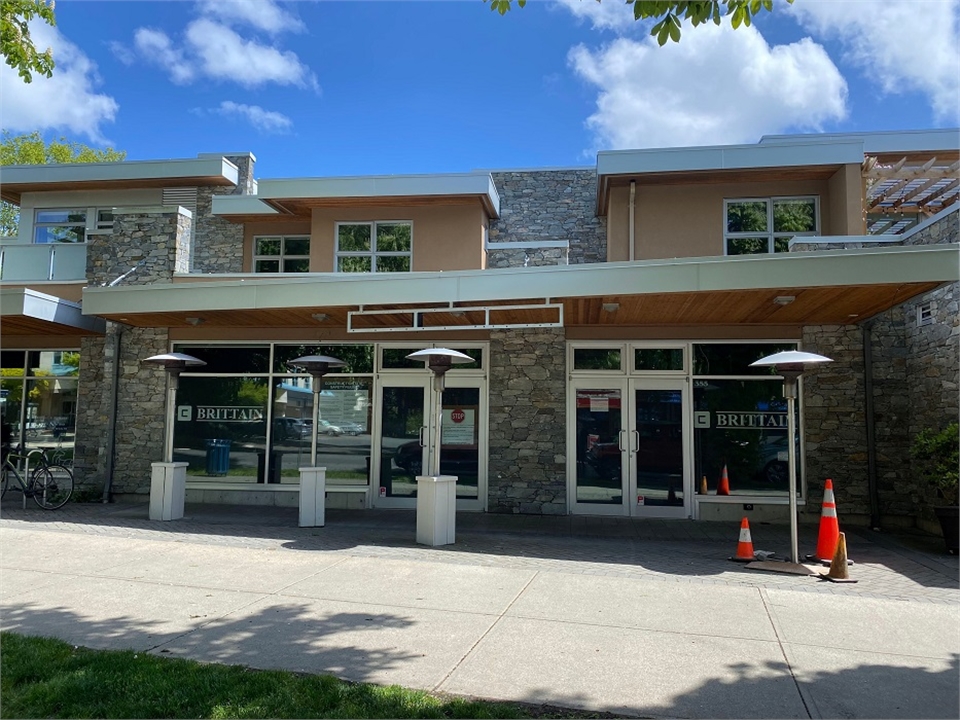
(791,361)
(174,361)
(439,360)
(316,364)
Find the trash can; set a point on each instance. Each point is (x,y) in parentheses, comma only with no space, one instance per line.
(218,456)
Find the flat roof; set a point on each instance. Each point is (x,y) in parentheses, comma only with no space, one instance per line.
(18,179)
(892,141)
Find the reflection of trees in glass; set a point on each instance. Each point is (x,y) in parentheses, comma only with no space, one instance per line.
(747,217)
(794,216)
(354,264)
(747,246)
(358,358)
(658,359)
(353,238)
(596,359)
(393,238)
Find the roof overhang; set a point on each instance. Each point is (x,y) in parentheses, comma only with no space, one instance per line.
(299,196)
(28,312)
(826,287)
(202,171)
(798,160)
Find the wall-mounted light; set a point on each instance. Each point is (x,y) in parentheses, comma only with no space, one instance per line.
(320,317)
(784,299)
(195,321)
(611,307)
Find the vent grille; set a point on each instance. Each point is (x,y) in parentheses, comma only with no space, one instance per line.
(184,197)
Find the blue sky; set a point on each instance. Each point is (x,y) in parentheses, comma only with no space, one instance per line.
(363,87)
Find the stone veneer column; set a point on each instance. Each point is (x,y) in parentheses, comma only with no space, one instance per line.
(157,242)
(218,243)
(551,205)
(527,472)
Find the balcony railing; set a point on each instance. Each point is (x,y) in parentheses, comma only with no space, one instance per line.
(65,262)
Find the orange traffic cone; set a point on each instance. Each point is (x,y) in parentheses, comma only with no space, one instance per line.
(745,546)
(703,485)
(723,487)
(838,565)
(829,527)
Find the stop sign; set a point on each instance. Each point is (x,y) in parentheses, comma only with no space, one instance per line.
(458,415)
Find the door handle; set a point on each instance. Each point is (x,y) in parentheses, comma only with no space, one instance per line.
(636,434)
(420,436)
(620,440)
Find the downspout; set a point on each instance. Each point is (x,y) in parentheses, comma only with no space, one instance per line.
(631,232)
(872,490)
(110,448)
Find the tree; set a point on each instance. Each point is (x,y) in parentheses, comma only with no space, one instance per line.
(671,12)
(18,49)
(31,149)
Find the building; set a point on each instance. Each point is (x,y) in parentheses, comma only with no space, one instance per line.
(612,313)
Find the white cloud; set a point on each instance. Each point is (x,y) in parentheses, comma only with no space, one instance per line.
(263,120)
(67,101)
(158,49)
(717,86)
(260,14)
(899,44)
(606,15)
(224,55)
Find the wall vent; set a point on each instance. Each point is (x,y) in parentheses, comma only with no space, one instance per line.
(925,314)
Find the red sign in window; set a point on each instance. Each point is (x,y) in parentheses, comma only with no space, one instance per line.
(458,415)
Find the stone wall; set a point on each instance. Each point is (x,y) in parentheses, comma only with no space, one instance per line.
(218,243)
(154,240)
(551,205)
(527,472)
(93,411)
(530,256)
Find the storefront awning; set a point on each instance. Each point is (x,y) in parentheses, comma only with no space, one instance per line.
(28,312)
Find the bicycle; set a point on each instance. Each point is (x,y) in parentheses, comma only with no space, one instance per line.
(49,484)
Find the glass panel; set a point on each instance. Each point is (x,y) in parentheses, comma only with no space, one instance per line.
(660,455)
(396,359)
(598,450)
(59,234)
(460,438)
(62,217)
(781,244)
(393,263)
(747,216)
(596,359)
(747,246)
(393,238)
(358,358)
(658,359)
(734,358)
(296,246)
(51,413)
(354,264)
(741,425)
(401,456)
(104,219)
(353,238)
(296,265)
(221,429)
(58,363)
(11,392)
(799,215)
(267,266)
(268,246)
(229,359)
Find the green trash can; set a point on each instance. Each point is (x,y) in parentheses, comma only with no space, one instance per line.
(218,456)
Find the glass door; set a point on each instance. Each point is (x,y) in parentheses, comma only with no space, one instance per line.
(660,482)
(599,438)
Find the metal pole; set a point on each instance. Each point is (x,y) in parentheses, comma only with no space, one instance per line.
(316,419)
(790,390)
(438,400)
(172,384)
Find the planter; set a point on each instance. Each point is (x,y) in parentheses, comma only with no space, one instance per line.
(949,518)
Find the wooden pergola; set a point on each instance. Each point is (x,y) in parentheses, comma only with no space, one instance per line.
(904,190)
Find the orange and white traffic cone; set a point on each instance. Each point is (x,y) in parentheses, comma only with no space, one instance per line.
(703,485)
(745,546)
(829,526)
(723,487)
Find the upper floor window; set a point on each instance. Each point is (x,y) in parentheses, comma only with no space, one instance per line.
(277,254)
(374,247)
(767,225)
(60,226)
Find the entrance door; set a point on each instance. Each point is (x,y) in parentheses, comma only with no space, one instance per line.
(632,448)
(405,424)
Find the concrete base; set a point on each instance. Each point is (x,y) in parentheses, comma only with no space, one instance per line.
(436,509)
(167,490)
(313,486)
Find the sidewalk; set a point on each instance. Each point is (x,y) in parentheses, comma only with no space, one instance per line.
(641,618)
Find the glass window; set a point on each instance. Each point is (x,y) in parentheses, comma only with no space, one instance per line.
(229,359)
(596,359)
(288,254)
(396,359)
(38,398)
(358,358)
(60,226)
(734,358)
(767,225)
(741,426)
(374,247)
(658,359)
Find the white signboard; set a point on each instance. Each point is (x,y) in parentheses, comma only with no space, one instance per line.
(459,426)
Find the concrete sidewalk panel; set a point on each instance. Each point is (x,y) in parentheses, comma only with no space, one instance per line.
(16,584)
(844,683)
(646,604)
(411,583)
(870,624)
(119,614)
(360,642)
(629,671)
(70,552)
(250,570)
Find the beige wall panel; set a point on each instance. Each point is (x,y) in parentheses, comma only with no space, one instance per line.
(445,237)
(846,192)
(618,219)
(255,229)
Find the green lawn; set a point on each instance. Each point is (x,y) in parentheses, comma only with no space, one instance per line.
(44,678)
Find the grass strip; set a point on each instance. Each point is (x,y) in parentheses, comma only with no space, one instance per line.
(46,678)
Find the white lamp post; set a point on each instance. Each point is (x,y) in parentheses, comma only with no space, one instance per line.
(168,479)
(317,366)
(791,364)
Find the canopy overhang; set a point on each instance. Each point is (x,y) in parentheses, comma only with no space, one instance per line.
(28,312)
